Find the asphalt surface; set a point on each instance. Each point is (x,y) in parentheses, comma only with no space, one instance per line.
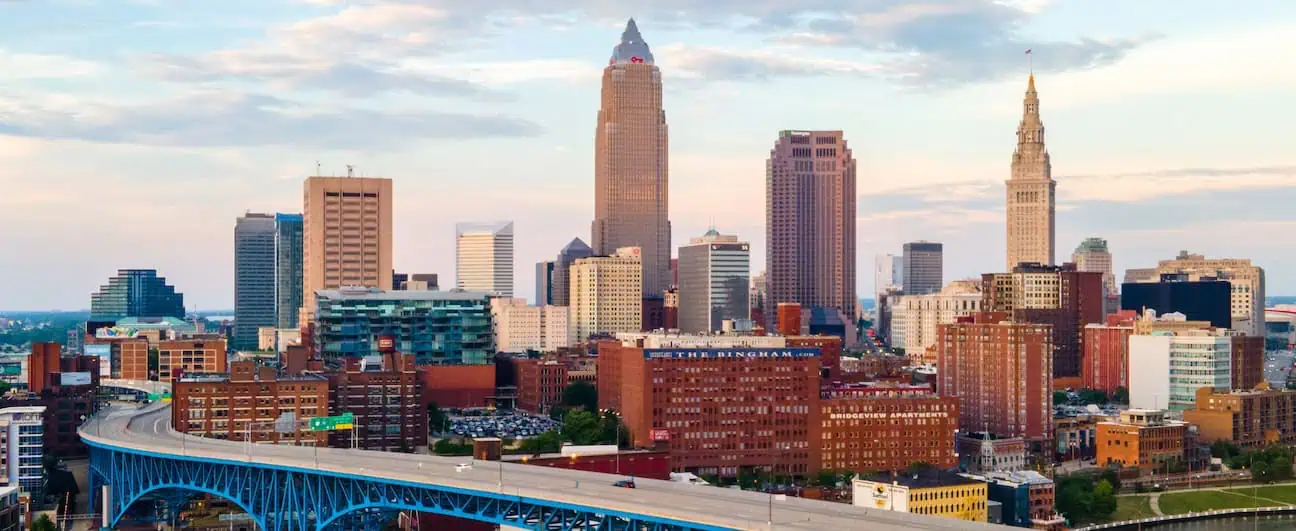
(149,429)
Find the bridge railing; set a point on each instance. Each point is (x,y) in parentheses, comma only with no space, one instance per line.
(1196,515)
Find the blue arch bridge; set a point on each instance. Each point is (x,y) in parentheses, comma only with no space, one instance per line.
(136,456)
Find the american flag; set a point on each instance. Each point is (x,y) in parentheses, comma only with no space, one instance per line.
(1028,51)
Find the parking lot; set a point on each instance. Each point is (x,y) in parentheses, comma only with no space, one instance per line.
(497,424)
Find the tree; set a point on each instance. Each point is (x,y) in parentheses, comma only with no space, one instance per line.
(1074,497)
(826,478)
(437,419)
(612,431)
(1120,395)
(1104,500)
(582,427)
(581,394)
(1092,396)
(1111,477)
(1224,449)
(546,443)
(1060,397)
(1261,472)
(918,467)
(43,523)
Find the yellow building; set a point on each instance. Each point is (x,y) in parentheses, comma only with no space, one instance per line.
(931,492)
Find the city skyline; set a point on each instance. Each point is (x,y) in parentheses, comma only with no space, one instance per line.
(930,133)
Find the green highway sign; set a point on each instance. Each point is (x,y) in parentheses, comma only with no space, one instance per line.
(344,421)
(154,397)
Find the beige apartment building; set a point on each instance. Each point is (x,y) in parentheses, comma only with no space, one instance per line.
(631,162)
(1031,190)
(192,356)
(607,294)
(1247,281)
(347,235)
(519,327)
(922,313)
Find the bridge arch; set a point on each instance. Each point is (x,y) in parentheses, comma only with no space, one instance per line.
(135,497)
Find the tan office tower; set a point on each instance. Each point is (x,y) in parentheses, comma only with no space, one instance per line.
(606,294)
(1031,190)
(810,222)
(631,172)
(347,236)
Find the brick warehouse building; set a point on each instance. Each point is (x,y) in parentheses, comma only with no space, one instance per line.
(884,427)
(540,383)
(717,409)
(1001,372)
(386,397)
(246,403)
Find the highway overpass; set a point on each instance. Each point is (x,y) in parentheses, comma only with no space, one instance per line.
(135,453)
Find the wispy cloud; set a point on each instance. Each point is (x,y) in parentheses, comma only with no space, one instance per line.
(223,119)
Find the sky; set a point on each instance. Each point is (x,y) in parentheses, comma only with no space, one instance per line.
(134,132)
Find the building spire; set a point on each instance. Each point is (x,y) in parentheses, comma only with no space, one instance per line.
(631,33)
(632,49)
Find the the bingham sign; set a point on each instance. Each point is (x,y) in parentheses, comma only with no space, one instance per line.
(731,353)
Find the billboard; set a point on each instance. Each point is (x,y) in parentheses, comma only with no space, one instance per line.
(74,378)
(104,353)
(116,332)
(386,344)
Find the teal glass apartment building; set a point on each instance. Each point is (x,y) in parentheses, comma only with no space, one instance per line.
(437,327)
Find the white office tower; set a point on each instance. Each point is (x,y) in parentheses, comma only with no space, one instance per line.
(484,257)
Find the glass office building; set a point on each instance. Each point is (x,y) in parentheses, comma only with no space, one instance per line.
(288,269)
(136,293)
(437,327)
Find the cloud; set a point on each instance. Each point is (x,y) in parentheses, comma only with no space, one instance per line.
(212,119)
(717,64)
(44,66)
(350,78)
(932,44)
(943,44)
(357,51)
(1127,187)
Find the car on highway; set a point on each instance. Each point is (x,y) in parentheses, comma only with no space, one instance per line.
(625,483)
(461,467)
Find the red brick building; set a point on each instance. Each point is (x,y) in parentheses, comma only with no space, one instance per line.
(247,402)
(717,409)
(789,319)
(458,386)
(1001,372)
(1248,361)
(830,348)
(1106,358)
(881,428)
(540,383)
(386,397)
(649,464)
(191,356)
(1058,296)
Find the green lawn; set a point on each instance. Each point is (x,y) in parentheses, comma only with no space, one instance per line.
(1131,508)
(1282,493)
(1205,500)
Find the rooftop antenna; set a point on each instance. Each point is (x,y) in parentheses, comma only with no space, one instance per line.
(317,168)
(350,170)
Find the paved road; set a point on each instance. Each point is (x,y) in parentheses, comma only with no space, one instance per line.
(149,429)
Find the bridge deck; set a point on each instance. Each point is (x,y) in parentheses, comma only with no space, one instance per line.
(149,430)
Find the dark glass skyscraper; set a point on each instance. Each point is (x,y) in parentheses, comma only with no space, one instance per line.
(924,267)
(136,293)
(254,278)
(561,276)
(1208,299)
(288,269)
